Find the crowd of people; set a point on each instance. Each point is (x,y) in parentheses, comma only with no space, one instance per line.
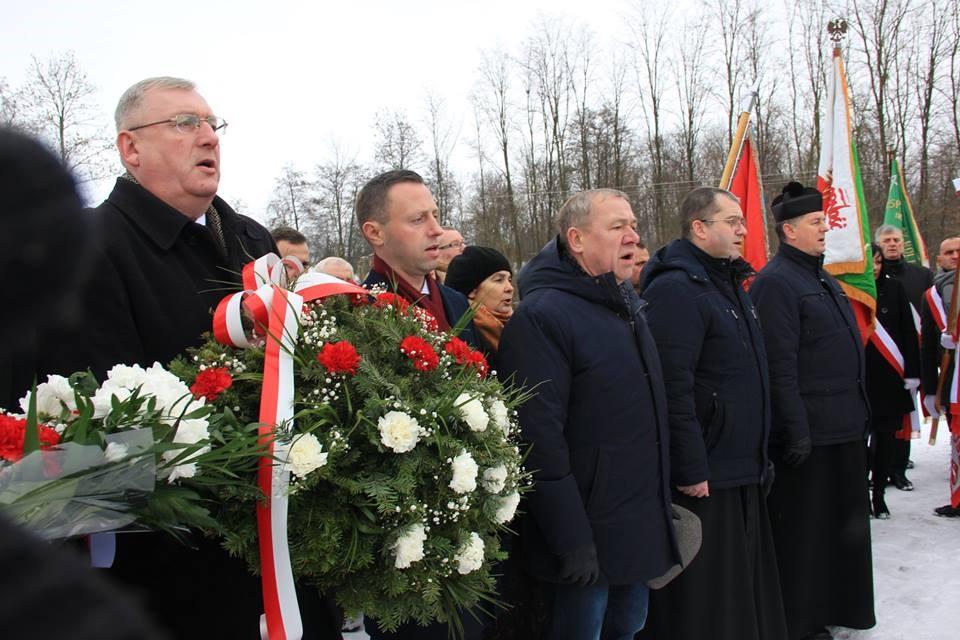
(666,386)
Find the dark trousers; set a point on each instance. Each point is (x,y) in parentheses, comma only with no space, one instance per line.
(901,454)
(883,451)
(598,612)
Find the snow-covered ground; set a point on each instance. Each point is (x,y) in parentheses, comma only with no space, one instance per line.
(916,556)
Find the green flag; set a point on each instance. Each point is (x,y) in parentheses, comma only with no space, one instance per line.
(899,214)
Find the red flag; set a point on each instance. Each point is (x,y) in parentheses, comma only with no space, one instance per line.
(745,183)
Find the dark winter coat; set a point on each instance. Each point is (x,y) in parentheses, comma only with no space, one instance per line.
(814,351)
(158,278)
(916,279)
(930,350)
(888,398)
(715,367)
(597,422)
(455,304)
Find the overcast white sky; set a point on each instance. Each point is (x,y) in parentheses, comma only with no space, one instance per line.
(290,77)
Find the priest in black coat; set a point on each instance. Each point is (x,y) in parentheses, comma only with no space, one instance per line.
(819,506)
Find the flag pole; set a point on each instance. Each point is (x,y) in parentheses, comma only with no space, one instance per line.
(951,328)
(742,122)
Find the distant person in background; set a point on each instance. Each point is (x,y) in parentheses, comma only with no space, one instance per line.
(916,279)
(451,245)
(934,343)
(291,242)
(484,275)
(889,389)
(336,267)
(642,258)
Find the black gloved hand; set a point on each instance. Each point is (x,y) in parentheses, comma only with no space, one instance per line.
(580,567)
(767,483)
(797,452)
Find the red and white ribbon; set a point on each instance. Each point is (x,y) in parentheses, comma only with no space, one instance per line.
(276,313)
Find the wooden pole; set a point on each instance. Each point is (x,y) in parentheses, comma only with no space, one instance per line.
(742,123)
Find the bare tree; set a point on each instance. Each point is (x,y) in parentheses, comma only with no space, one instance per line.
(494,103)
(649,30)
(691,85)
(732,17)
(399,146)
(932,42)
(291,204)
(808,80)
(58,104)
(336,184)
(878,25)
(443,139)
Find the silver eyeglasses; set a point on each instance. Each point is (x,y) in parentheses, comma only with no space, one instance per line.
(735,222)
(189,123)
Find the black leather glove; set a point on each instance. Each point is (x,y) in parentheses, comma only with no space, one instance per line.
(797,452)
(580,567)
(767,483)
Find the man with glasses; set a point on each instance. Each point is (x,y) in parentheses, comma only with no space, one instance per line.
(168,251)
(718,392)
(451,245)
(819,507)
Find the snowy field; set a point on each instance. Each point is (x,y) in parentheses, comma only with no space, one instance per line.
(916,556)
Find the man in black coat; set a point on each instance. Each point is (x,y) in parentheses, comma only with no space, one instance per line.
(893,375)
(169,250)
(916,279)
(598,524)
(718,390)
(934,315)
(819,503)
(397,216)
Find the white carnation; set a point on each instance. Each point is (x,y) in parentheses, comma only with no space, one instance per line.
(500,415)
(409,547)
(50,394)
(507,508)
(464,473)
(173,397)
(306,455)
(399,431)
(190,431)
(470,556)
(494,478)
(472,412)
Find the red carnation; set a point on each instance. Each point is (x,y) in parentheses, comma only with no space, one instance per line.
(420,352)
(12,432)
(479,362)
(339,357)
(458,349)
(391,299)
(464,355)
(211,382)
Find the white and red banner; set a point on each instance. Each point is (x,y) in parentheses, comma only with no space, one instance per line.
(275,312)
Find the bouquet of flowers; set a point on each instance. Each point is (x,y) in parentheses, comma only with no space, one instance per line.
(141,449)
(403,451)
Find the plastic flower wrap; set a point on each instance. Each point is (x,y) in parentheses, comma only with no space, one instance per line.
(414,465)
(141,450)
